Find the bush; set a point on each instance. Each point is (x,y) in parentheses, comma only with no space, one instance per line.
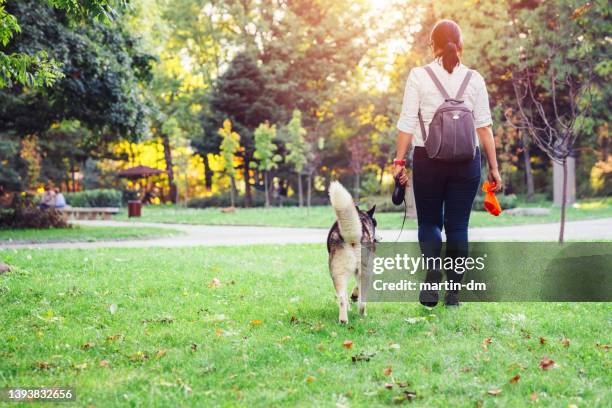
(383,204)
(506,202)
(257,200)
(94,198)
(25,214)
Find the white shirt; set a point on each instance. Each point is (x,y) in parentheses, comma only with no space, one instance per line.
(421,92)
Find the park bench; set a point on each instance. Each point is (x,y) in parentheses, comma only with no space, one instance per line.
(86,213)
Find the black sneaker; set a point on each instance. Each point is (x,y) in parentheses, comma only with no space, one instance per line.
(429,298)
(451,299)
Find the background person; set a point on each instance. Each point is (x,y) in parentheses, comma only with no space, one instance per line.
(60,201)
(48,198)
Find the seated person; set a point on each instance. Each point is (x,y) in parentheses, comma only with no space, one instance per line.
(48,198)
(60,201)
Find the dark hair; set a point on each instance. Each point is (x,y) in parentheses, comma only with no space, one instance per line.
(447,43)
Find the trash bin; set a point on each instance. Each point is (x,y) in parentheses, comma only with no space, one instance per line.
(134,208)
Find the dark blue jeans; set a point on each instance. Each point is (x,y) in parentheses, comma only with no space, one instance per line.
(444,193)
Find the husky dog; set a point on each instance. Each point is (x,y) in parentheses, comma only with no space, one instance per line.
(352,228)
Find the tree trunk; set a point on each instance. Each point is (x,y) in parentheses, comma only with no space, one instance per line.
(563,201)
(233,192)
(247,184)
(300,192)
(208,173)
(380,180)
(169,168)
(266,190)
(528,170)
(308,190)
(357,184)
(72,172)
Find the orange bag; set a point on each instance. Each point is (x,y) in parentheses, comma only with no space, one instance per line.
(490,202)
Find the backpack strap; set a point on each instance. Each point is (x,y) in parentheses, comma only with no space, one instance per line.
(437,82)
(464,84)
(423,132)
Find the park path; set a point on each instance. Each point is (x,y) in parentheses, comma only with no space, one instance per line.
(210,235)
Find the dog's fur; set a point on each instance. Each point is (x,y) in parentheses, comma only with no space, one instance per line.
(353,228)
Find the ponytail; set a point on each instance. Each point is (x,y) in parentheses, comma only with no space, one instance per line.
(450,57)
(447,43)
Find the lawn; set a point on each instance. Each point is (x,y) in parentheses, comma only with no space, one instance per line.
(256,326)
(323,216)
(82,233)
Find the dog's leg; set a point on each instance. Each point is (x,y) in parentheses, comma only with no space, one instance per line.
(355,292)
(341,269)
(358,276)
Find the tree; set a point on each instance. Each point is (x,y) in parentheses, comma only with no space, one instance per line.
(230,144)
(36,69)
(552,80)
(241,95)
(265,152)
(298,148)
(103,70)
(360,156)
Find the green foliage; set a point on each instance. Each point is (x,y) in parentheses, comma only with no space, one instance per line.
(265,148)
(94,198)
(295,142)
(230,144)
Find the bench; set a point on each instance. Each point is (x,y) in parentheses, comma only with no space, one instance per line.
(85,213)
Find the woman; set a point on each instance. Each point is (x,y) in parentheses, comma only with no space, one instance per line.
(444,191)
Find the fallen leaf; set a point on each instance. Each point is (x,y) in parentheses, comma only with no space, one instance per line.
(494,391)
(581,10)
(112,308)
(394,346)
(388,386)
(546,363)
(348,344)
(114,337)
(320,347)
(542,340)
(605,347)
(160,353)
(219,332)
(533,396)
(402,384)
(387,371)
(515,379)
(139,356)
(486,342)
(294,320)
(79,366)
(42,365)
(194,347)
(104,363)
(565,342)
(310,379)
(256,322)
(405,396)
(214,283)
(86,346)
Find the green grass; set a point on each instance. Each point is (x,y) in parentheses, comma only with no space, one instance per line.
(83,233)
(323,216)
(267,335)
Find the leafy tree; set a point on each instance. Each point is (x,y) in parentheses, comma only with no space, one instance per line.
(102,68)
(298,148)
(265,153)
(230,144)
(241,96)
(36,69)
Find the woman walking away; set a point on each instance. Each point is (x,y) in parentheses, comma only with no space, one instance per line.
(445,106)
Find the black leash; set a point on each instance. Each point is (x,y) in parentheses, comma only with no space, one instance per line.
(403,221)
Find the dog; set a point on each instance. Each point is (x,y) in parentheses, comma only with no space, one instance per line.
(353,227)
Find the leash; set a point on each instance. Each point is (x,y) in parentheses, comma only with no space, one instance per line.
(403,221)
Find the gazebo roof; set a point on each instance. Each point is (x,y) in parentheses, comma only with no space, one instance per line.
(139,171)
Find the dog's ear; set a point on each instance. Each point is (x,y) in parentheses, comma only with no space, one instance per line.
(371,211)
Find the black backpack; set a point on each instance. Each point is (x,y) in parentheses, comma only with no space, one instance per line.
(452,135)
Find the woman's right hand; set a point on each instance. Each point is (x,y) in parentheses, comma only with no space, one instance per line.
(400,171)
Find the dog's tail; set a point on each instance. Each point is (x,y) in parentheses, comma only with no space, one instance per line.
(346,213)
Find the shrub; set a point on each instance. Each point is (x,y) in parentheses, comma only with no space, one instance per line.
(25,214)
(257,200)
(94,198)
(383,204)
